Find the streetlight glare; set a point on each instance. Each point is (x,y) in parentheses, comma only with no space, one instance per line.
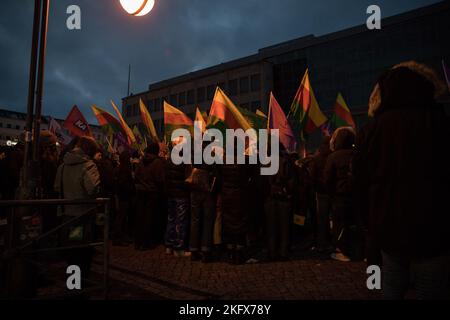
(138,7)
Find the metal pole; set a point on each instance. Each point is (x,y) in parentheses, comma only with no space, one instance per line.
(40,89)
(24,182)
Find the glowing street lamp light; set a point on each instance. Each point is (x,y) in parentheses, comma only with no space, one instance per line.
(138,8)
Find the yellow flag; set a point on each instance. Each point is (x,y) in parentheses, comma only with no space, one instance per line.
(130,135)
(199,117)
(148,122)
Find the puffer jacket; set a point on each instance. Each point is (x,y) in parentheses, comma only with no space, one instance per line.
(77,178)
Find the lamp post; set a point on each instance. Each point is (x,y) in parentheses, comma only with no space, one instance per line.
(29,182)
(29,177)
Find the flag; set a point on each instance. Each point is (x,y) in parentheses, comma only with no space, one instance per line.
(107,121)
(305,110)
(446,73)
(175,119)
(199,117)
(141,143)
(277,120)
(225,115)
(55,128)
(342,117)
(255,120)
(76,124)
(261,114)
(129,133)
(148,122)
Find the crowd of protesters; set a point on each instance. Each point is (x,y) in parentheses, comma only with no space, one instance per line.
(378,194)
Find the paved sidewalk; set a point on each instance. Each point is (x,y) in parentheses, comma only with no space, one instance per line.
(308,278)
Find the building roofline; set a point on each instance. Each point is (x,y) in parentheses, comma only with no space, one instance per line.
(43,117)
(295,44)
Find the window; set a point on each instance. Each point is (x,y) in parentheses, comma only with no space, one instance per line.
(191,97)
(255,82)
(149,105)
(201,94)
(233,87)
(243,85)
(210,92)
(255,105)
(157,104)
(173,100)
(8,126)
(182,99)
(1,125)
(17,127)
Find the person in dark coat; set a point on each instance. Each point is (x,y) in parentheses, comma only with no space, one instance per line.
(235,216)
(402,169)
(178,205)
(125,190)
(278,193)
(149,178)
(323,201)
(203,211)
(338,185)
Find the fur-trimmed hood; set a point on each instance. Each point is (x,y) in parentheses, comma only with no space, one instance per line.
(342,138)
(408,84)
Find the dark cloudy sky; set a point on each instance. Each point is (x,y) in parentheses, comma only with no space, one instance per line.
(179,36)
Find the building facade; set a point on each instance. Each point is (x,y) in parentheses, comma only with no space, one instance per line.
(347,61)
(12,125)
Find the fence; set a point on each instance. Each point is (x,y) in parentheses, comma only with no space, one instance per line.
(24,239)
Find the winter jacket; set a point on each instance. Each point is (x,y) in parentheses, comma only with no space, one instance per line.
(337,174)
(77,178)
(402,170)
(176,176)
(150,175)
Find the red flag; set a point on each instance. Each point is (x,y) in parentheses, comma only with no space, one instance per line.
(77,124)
(278,120)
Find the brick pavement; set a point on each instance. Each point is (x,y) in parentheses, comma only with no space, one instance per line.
(302,278)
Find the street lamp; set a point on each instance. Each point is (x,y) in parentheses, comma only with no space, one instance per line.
(29,183)
(138,8)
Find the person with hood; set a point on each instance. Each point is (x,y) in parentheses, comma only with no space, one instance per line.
(150,180)
(77,178)
(323,201)
(402,171)
(337,180)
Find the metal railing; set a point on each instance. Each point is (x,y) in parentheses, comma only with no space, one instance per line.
(15,248)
